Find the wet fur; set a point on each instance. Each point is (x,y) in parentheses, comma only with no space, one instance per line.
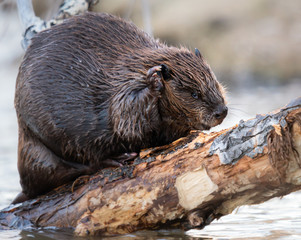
(83,95)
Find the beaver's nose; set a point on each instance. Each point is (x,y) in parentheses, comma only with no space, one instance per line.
(221,112)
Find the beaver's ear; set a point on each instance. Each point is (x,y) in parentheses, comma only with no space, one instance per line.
(198,53)
(166,72)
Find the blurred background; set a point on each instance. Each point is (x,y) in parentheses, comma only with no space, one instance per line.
(254,48)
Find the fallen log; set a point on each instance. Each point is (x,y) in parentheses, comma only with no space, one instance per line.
(186,184)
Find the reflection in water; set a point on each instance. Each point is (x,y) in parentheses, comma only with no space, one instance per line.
(67,234)
(270,220)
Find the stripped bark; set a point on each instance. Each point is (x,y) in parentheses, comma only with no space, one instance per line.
(186,184)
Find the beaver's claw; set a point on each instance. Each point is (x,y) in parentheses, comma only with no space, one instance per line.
(154,78)
(119,161)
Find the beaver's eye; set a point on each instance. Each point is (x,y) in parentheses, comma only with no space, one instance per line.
(195,95)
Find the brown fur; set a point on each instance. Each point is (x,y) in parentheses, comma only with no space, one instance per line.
(96,87)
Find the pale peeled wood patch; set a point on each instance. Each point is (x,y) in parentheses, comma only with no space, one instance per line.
(194,188)
(126,209)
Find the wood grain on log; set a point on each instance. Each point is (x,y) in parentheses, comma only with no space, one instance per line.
(186,185)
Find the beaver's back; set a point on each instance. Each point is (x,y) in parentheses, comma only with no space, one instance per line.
(64,82)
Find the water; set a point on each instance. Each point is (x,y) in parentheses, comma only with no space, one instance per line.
(275,219)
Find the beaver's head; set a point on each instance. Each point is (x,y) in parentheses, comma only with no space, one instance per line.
(191,96)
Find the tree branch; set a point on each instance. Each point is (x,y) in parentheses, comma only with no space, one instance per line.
(33,24)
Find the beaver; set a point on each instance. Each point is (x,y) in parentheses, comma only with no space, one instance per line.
(95,90)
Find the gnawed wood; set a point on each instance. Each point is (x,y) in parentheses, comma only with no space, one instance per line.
(187,184)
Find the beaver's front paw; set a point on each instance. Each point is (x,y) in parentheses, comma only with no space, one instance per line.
(154,78)
(119,161)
